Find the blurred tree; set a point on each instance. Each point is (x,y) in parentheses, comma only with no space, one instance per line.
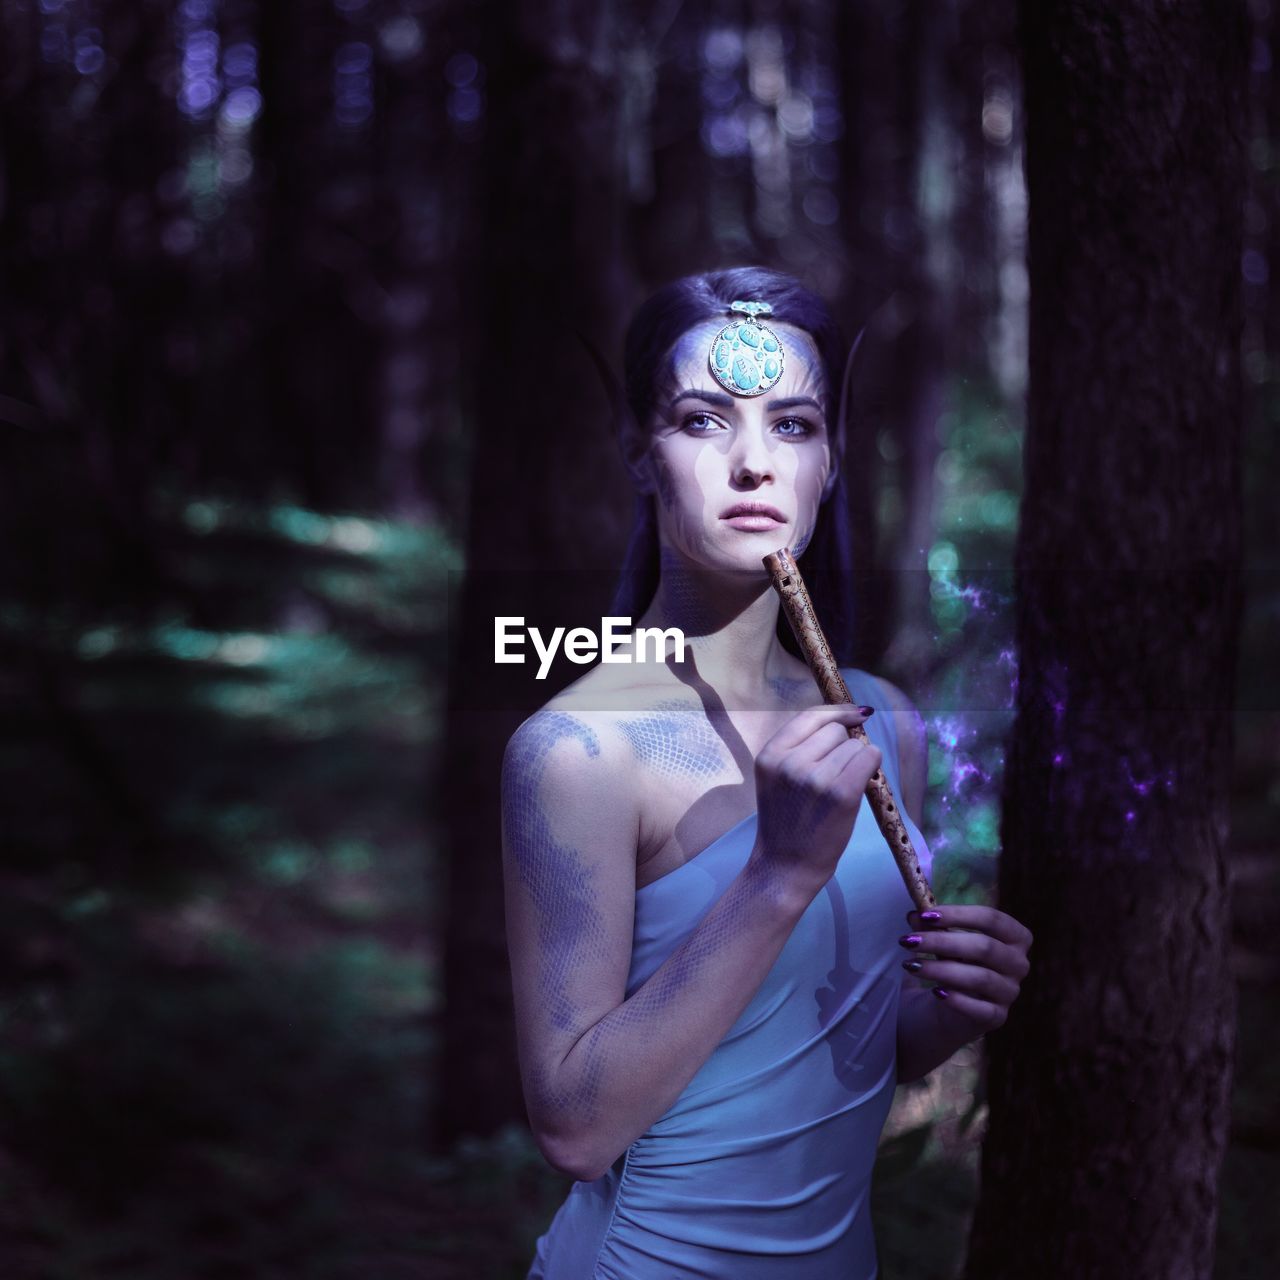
(911,83)
(1109,1086)
(877,89)
(546,489)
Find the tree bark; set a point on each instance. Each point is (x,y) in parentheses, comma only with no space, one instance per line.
(1109,1084)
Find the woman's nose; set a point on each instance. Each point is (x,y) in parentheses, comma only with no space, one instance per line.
(750,458)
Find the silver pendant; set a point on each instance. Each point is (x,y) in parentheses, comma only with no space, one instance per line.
(745,357)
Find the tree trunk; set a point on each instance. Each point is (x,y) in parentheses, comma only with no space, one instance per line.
(548,489)
(1109,1085)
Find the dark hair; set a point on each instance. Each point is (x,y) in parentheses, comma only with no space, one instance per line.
(826,562)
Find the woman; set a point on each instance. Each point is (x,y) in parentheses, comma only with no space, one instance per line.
(703,918)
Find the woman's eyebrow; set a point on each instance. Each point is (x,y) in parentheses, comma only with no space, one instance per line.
(717,398)
(722,401)
(793,402)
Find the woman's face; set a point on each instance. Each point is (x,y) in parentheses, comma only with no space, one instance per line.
(711,452)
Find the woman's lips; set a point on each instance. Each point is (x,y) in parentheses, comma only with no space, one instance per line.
(754,523)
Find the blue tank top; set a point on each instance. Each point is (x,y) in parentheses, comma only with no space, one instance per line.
(761,1169)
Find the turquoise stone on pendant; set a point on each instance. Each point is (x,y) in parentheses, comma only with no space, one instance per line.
(746,374)
(745,357)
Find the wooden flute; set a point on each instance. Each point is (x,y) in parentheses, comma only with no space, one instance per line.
(790,587)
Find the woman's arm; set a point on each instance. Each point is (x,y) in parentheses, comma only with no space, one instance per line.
(600,1068)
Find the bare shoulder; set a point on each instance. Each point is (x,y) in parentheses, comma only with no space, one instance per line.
(575,751)
(616,744)
(561,739)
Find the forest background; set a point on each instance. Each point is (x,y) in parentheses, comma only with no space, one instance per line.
(261,339)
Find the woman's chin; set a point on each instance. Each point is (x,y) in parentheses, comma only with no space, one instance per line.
(748,549)
(739,554)
(746,557)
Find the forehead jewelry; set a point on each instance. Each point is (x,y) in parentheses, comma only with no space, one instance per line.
(745,357)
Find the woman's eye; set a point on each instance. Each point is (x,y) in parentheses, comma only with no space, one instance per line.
(796,427)
(700,422)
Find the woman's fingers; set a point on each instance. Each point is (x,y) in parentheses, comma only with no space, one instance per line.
(851,760)
(819,745)
(834,753)
(980,983)
(989,920)
(804,723)
(977,955)
(973,948)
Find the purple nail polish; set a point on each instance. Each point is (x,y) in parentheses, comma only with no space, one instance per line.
(867,711)
(941,993)
(910,940)
(931,915)
(913,966)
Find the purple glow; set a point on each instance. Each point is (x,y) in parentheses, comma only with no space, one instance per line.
(966,786)
(90,60)
(720,92)
(461,70)
(240,63)
(726,135)
(89,56)
(1009,658)
(242,106)
(197,96)
(1144,786)
(200,87)
(353,84)
(1253,266)
(465,106)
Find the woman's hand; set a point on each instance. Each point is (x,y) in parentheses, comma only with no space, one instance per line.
(810,779)
(981,960)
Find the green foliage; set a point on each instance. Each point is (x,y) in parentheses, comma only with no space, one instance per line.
(218,1004)
(925,1183)
(969,686)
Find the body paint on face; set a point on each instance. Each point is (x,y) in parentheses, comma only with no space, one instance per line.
(684,526)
